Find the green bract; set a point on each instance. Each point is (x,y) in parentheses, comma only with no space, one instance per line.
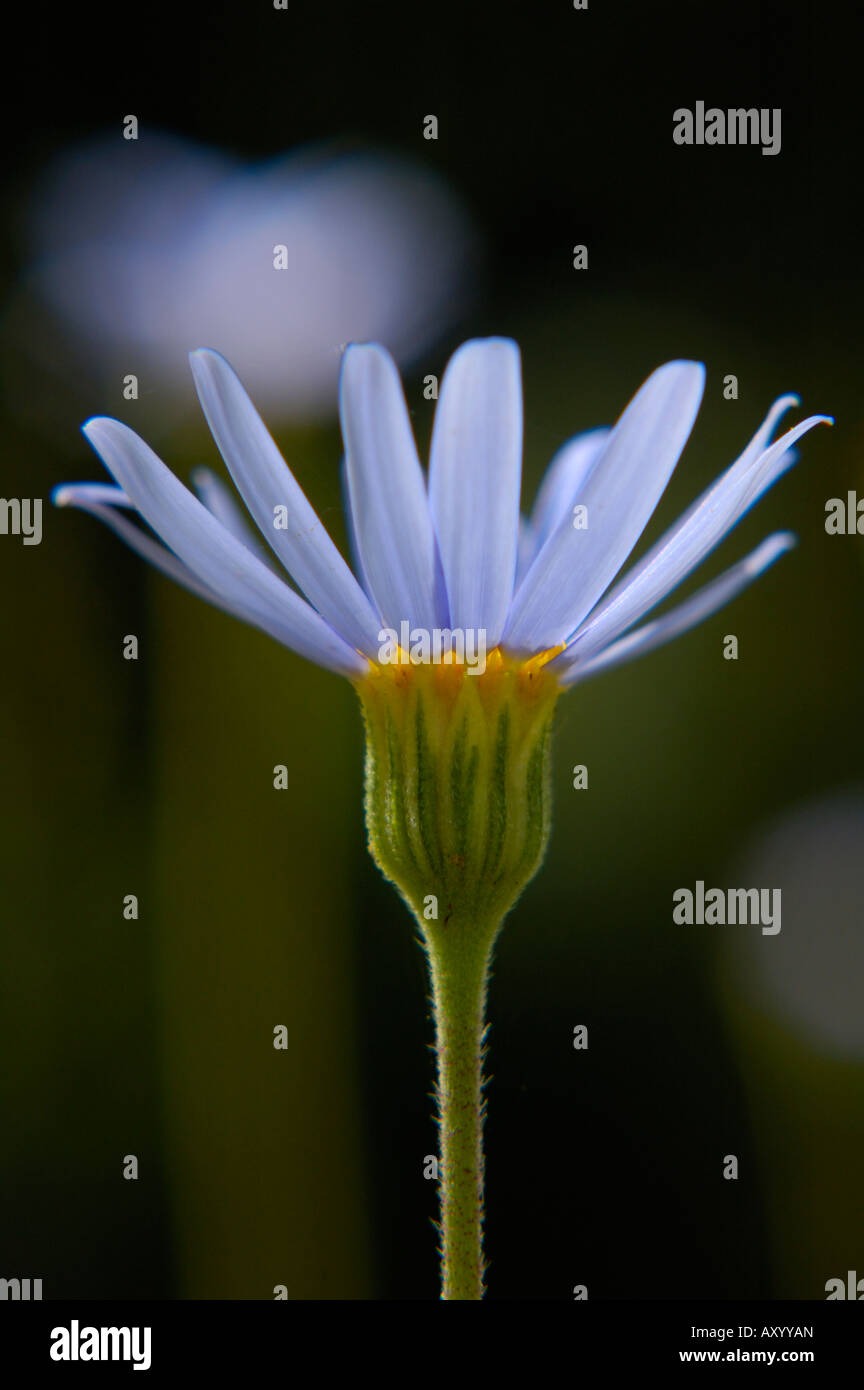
(457,785)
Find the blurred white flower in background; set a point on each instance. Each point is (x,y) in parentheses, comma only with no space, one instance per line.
(144,249)
(810,976)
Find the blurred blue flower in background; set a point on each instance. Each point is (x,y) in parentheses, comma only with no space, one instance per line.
(143,247)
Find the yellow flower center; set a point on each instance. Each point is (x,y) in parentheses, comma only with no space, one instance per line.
(445,678)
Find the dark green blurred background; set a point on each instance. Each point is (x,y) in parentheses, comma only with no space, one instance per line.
(259,908)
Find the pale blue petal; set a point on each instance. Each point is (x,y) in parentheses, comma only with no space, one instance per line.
(266,484)
(351,527)
(695,535)
(576,566)
(218,500)
(564,480)
(703,604)
(84,497)
(392,524)
(474,480)
(526,549)
(219,561)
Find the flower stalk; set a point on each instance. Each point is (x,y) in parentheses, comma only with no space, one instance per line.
(459,970)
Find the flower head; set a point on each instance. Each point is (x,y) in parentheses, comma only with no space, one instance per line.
(463,622)
(448,557)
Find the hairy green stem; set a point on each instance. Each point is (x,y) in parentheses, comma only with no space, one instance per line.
(459,969)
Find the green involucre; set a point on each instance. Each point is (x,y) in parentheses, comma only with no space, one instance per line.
(458,787)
